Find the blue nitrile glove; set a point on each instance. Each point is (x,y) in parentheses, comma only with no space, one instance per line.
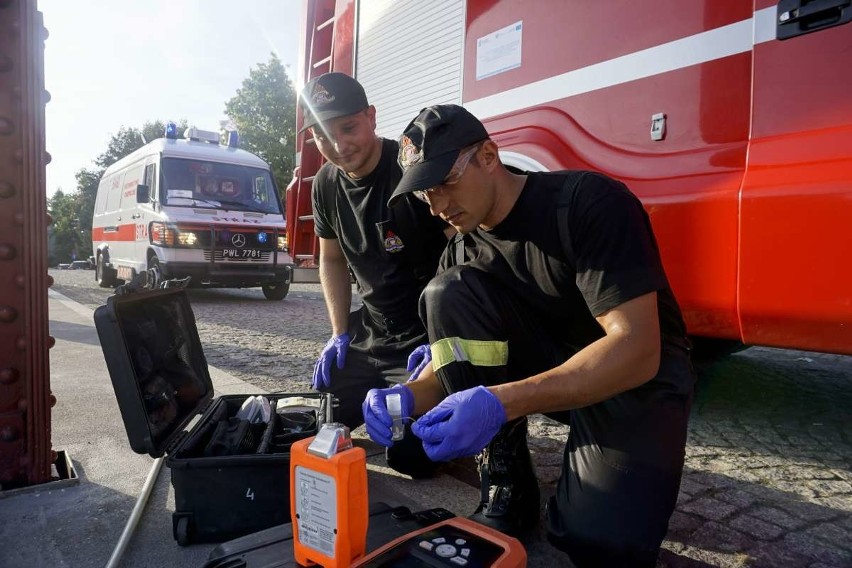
(461,425)
(418,360)
(377,419)
(336,347)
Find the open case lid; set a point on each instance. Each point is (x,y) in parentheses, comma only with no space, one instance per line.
(158,370)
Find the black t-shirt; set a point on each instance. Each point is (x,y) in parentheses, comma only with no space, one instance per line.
(603,255)
(392,252)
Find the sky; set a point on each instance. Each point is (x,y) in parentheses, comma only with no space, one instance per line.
(114,63)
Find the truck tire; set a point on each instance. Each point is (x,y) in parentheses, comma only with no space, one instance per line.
(276,291)
(104,275)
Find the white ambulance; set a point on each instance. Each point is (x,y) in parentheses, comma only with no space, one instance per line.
(192,207)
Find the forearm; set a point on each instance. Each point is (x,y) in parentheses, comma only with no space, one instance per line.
(337,291)
(598,372)
(626,357)
(427,391)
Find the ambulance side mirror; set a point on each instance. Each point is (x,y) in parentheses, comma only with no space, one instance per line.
(143,193)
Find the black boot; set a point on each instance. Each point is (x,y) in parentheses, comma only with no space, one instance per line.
(510,495)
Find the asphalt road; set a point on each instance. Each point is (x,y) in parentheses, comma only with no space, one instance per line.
(768,477)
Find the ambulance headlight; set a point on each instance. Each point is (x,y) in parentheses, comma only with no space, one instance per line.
(187,239)
(282,242)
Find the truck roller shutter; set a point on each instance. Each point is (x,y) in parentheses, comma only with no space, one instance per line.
(409,56)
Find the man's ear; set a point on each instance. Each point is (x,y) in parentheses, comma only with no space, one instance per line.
(489,156)
(371,114)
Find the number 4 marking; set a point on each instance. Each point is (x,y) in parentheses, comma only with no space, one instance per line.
(249,494)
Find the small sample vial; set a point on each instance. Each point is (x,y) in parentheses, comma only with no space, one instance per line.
(394,402)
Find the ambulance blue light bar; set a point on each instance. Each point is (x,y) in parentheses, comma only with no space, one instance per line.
(171,131)
(233,139)
(197,135)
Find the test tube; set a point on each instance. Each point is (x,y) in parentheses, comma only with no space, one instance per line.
(394,402)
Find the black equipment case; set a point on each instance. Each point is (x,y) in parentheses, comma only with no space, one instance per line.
(230,476)
(273,547)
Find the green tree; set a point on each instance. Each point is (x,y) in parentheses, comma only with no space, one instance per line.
(66,232)
(264,112)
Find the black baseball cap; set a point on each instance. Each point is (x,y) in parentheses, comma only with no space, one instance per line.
(331,95)
(430,145)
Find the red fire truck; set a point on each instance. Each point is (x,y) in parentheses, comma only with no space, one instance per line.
(730,119)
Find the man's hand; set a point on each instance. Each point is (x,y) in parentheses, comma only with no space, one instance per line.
(461,425)
(376,416)
(418,360)
(336,348)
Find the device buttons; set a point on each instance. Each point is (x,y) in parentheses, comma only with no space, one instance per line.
(458,560)
(445,550)
(465,552)
(461,541)
(425,544)
(439,540)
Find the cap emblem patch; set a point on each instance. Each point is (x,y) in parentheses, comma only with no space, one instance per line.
(409,153)
(320,96)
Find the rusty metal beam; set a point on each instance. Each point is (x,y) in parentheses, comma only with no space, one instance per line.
(25,399)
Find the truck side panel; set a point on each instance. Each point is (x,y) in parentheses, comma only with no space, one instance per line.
(585,100)
(795,274)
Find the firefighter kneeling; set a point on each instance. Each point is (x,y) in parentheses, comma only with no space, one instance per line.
(552,299)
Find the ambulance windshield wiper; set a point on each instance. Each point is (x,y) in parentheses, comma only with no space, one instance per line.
(241,206)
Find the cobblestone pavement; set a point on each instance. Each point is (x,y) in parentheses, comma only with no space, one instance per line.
(768,477)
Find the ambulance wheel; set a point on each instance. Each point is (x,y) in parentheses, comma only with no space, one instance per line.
(276,290)
(182,531)
(104,275)
(154,266)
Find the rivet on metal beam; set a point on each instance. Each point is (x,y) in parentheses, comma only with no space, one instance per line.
(18,156)
(19,218)
(21,343)
(7,127)
(8,314)
(23,405)
(9,375)
(8,434)
(7,252)
(7,190)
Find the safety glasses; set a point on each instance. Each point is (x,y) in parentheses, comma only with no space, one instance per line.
(456,172)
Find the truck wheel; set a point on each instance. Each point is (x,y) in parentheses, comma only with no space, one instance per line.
(276,290)
(104,275)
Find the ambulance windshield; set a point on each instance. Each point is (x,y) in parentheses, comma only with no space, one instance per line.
(195,183)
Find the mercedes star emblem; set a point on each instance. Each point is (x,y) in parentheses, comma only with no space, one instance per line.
(239,240)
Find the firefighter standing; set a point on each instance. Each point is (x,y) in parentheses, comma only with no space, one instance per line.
(552,300)
(392,253)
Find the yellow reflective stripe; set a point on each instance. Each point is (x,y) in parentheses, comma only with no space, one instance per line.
(480,353)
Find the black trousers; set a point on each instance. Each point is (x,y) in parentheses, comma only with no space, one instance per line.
(624,456)
(376,358)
